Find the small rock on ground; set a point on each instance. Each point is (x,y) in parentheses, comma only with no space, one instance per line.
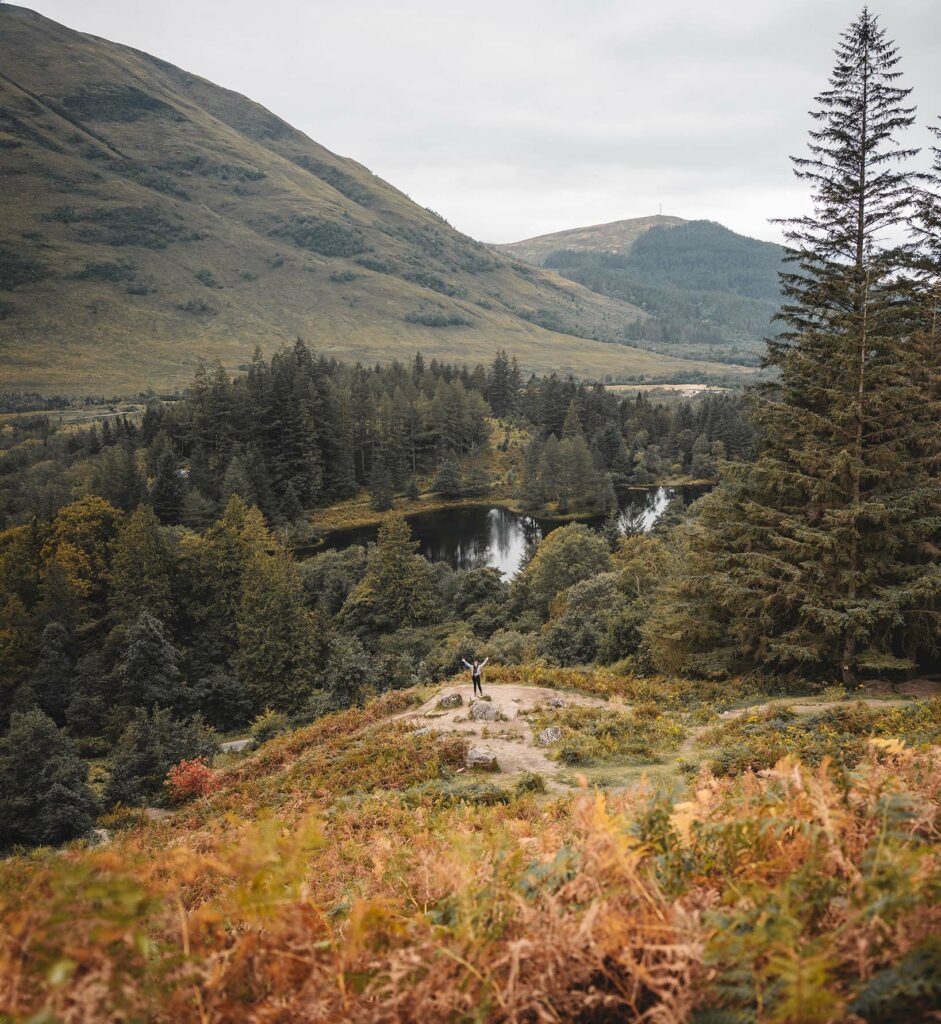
(479,757)
(451,700)
(480,712)
(551,735)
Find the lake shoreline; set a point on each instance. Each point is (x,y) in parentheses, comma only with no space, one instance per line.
(358,514)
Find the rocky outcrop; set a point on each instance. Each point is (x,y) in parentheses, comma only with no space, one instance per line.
(451,700)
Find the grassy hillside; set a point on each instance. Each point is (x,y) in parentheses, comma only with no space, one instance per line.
(710,293)
(353,871)
(616,237)
(150,219)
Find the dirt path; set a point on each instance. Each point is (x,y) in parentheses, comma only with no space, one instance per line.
(511,741)
(824,705)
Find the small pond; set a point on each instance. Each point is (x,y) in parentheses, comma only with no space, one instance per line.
(468,538)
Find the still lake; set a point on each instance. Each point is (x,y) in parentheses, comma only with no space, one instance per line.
(471,537)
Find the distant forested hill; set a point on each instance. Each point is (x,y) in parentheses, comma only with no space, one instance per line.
(710,293)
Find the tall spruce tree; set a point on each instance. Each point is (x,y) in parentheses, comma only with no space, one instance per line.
(141,568)
(149,672)
(802,560)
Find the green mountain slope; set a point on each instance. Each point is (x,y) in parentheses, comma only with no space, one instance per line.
(710,293)
(149,219)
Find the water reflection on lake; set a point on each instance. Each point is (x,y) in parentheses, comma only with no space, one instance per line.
(468,538)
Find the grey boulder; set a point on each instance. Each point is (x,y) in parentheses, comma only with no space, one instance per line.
(483,712)
(483,759)
(451,700)
(551,735)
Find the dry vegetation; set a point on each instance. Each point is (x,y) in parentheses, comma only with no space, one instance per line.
(350,871)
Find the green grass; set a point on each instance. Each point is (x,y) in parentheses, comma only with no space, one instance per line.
(187,182)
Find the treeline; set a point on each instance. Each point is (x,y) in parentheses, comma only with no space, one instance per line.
(294,432)
(590,443)
(300,431)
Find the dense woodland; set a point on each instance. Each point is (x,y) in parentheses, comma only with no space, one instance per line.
(300,431)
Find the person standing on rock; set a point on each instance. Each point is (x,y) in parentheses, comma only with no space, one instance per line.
(476,669)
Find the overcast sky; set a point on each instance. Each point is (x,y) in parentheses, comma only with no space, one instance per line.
(513,118)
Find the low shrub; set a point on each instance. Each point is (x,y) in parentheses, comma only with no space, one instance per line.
(190,779)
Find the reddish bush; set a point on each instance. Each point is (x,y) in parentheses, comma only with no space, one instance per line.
(190,779)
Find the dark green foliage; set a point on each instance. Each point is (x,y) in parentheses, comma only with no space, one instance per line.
(167,492)
(205,277)
(17,269)
(909,990)
(145,226)
(149,671)
(198,307)
(710,292)
(52,678)
(381,485)
(448,481)
(430,281)
(44,795)
(818,554)
(279,643)
(220,698)
(328,578)
(397,589)
(205,167)
(118,103)
(150,745)
(106,271)
(349,669)
(437,319)
(586,624)
(342,182)
(325,237)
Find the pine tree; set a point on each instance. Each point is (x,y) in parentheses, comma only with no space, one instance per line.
(801,559)
(53,676)
(612,527)
(572,427)
(924,352)
(449,481)
(237,481)
(278,648)
(150,745)
(167,491)
(381,488)
(141,568)
(290,506)
(149,671)
(44,792)
(213,567)
(397,589)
